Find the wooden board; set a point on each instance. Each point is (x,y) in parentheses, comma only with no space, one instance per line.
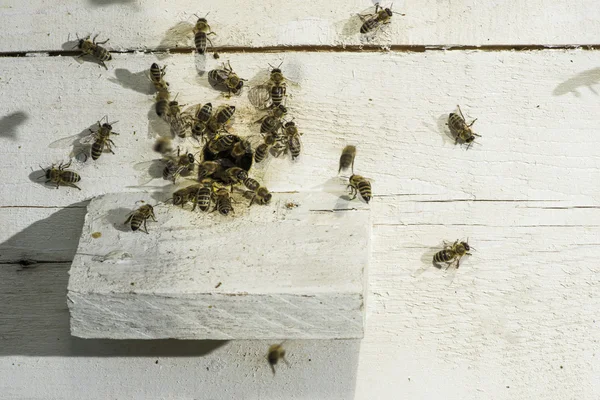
(37,25)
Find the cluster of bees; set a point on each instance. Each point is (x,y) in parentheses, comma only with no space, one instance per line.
(226,159)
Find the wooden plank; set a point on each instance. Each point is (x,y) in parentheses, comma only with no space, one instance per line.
(155,24)
(301,275)
(396,118)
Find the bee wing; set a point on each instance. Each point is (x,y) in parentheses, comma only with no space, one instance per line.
(72,141)
(259,96)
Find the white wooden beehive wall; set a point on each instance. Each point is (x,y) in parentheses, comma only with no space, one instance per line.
(518,320)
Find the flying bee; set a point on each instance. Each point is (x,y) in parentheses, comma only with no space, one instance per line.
(102,139)
(372,22)
(224,114)
(163,145)
(175,166)
(139,217)
(156,76)
(226,79)
(201,32)
(201,119)
(276,353)
(359,184)
(261,196)
(460,130)
(93,48)
(272,122)
(292,137)
(61,175)
(222,143)
(452,253)
(207,168)
(162,104)
(347,158)
(223,202)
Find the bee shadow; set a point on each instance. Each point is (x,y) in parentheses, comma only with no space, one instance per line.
(427,260)
(583,79)
(441,127)
(349,27)
(10,122)
(200,63)
(137,81)
(157,127)
(179,35)
(117,218)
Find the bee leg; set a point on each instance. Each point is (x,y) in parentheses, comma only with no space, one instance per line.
(104,65)
(145,227)
(471,124)
(74,185)
(100,42)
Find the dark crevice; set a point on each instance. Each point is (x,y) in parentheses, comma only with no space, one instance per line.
(317,49)
(57,207)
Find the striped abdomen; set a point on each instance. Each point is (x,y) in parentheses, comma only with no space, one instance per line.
(270,124)
(444,256)
(363,186)
(294,145)
(261,152)
(347,158)
(97,148)
(162,108)
(136,220)
(224,205)
(200,42)
(204,113)
(223,143)
(225,114)
(456,124)
(251,184)
(67,177)
(203,199)
(101,53)
(277,94)
(369,25)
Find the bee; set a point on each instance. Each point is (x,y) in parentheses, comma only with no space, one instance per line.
(276,76)
(293,139)
(241,148)
(274,89)
(102,140)
(201,32)
(276,352)
(452,253)
(222,143)
(207,168)
(94,49)
(175,166)
(179,122)
(459,128)
(139,216)
(361,185)
(223,202)
(181,196)
(272,122)
(163,146)
(347,158)
(224,114)
(162,104)
(372,22)
(262,151)
(156,76)
(252,184)
(261,195)
(277,93)
(201,120)
(61,176)
(226,79)
(235,175)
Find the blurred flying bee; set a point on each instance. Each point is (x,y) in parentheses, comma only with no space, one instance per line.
(163,145)
(359,184)
(223,202)
(162,104)
(139,217)
(201,119)
(207,168)
(452,253)
(292,138)
(178,165)
(373,22)
(460,130)
(61,176)
(102,139)
(271,122)
(226,79)
(201,32)
(347,158)
(261,196)
(93,48)
(156,76)
(276,353)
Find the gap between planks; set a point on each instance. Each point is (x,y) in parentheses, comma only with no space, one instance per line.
(319,49)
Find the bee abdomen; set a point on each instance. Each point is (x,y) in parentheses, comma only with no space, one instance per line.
(225,206)
(200,42)
(269,125)
(277,93)
(225,114)
(102,54)
(204,198)
(443,256)
(70,176)
(294,146)
(364,188)
(251,184)
(369,25)
(261,152)
(97,149)
(136,221)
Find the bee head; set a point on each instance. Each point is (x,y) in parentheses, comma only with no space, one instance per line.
(466,246)
(173,103)
(191,158)
(240,85)
(107,126)
(80,43)
(388,12)
(470,139)
(203,20)
(291,123)
(154,66)
(275,71)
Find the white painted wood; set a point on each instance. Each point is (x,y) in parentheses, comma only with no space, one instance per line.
(396,118)
(272,272)
(154,24)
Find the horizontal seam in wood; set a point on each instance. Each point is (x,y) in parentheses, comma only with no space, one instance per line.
(318,49)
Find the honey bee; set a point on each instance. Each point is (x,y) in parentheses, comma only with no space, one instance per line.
(276,353)
(292,137)
(261,195)
(271,93)
(93,48)
(139,216)
(241,148)
(452,253)
(201,120)
(156,76)
(236,175)
(359,184)
(201,32)
(223,202)
(222,143)
(459,128)
(181,196)
(178,121)
(163,146)
(373,22)
(204,195)
(162,104)
(102,139)
(61,176)
(347,158)
(175,166)
(207,168)
(226,79)
(272,122)
(224,114)
(270,140)
(277,93)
